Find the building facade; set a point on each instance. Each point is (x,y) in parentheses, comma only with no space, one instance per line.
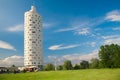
(32,39)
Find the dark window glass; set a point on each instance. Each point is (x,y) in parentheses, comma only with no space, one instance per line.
(33,42)
(33,31)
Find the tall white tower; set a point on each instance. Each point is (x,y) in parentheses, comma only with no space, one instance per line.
(32,39)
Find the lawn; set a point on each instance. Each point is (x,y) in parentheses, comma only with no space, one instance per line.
(88,74)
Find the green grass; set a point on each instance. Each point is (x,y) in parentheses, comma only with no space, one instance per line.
(89,74)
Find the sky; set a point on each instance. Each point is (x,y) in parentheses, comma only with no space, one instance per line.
(72,29)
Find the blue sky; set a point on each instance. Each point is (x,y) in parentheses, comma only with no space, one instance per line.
(72,29)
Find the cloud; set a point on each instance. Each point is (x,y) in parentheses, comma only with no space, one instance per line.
(113,39)
(61,47)
(76,30)
(111,36)
(113,15)
(79,57)
(48,25)
(16,60)
(116,28)
(78,27)
(66,29)
(16,28)
(75,58)
(93,44)
(82,27)
(5,45)
(82,31)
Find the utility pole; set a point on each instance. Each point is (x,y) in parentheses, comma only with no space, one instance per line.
(54,59)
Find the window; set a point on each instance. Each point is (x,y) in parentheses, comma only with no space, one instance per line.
(33,22)
(33,42)
(33,52)
(30,24)
(33,31)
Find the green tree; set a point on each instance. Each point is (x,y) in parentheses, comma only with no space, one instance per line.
(13,65)
(110,56)
(94,63)
(67,65)
(76,67)
(84,64)
(49,67)
(60,67)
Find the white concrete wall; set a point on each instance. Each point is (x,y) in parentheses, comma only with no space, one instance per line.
(32,38)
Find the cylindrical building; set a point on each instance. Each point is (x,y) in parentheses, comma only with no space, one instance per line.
(32,39)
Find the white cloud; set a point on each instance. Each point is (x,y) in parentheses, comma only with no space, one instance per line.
(82,31)
(75,58)
(16,60)
(61,47)
(16,28)
(113,15)
(78,27)
(111,36)
(79,57)
(76,30)
(93,44)
(113,39)
(82,27)
(5,45)
(66,29)
(116,28)
(48,25)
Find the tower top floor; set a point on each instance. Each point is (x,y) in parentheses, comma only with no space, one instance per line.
(33,9)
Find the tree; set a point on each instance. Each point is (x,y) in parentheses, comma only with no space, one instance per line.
(60,67)
(67,65)
(76,67)
(110,56)
(94,63)
(84,64)
(13,65)
(49,67)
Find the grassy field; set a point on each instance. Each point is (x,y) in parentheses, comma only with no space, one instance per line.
(89,74)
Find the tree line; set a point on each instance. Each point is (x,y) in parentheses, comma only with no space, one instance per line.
(109,57)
